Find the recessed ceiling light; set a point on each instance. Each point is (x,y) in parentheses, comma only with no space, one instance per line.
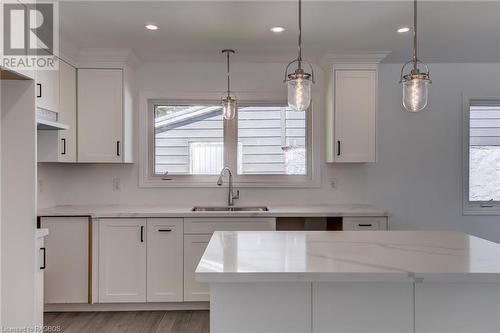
(277,29)
(402,30)
(151,26)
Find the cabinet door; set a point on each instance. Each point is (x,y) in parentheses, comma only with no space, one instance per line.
(164,247)
(47,90)
(67,273)
(355,115)
(100,115)
(40,264)
(122,260)
(194,247)
(67,112)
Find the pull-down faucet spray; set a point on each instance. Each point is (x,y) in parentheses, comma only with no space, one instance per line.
(232,194)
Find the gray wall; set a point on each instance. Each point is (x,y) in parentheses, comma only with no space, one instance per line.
(418,176)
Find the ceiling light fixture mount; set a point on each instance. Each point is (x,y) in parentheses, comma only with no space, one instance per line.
(299,82)
(229,101)
(416,81)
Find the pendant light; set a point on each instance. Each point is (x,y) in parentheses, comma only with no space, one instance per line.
(299,82)
(416,82)
(228,102)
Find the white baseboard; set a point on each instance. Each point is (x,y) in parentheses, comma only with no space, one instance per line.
(127,307)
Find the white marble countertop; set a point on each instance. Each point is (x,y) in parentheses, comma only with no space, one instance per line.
(186,211)
(249,256)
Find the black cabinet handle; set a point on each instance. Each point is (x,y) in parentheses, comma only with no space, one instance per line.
(365,225)
(164,230)
(44,258)
(117,148)
(39,90)
(142,234)
(338,147)
(63,146)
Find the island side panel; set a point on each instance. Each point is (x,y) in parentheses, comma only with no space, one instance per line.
(265,307)
(465,307)
(362,307)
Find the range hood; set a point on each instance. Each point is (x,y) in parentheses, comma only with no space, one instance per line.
(47,120)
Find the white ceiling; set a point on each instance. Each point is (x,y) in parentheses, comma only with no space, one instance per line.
(450,31)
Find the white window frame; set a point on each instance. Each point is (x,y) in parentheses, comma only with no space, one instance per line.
(474,207)
(147,178)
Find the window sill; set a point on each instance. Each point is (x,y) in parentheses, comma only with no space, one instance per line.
(481,211)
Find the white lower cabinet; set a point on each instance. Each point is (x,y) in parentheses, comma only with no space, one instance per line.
(122,260)
(164,259)
(67,272)
(197,234)
(40,265)
(194,247)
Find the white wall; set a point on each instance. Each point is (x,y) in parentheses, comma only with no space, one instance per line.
(417,177)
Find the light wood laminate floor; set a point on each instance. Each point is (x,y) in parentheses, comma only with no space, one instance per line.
(128,322)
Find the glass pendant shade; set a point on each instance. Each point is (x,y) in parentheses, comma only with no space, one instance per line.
(415,93)
(228,108)
(299,94)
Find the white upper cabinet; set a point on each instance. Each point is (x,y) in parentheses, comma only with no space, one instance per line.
(100,116)
(47,90)
(352,114)
(61,146)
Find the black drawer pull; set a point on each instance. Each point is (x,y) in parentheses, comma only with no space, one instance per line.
(365,225)
(142,234)
(338,148)
(164,230)
(118,148)
(63,146)
(39,90)
(44,258)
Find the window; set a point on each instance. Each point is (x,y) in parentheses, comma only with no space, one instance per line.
(190,142)
(482,172)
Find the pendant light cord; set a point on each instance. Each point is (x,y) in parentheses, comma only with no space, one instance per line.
(415,59)
(300,35)
(228,76)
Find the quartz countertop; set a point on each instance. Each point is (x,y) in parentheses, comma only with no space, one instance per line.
(248,256)
(104,211)
(39,233)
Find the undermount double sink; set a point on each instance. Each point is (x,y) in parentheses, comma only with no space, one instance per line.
(229,209)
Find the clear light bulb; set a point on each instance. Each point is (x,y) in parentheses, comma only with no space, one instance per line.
(299,94)
(415,94)
(228,108)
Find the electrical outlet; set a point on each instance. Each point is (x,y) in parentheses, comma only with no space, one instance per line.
(117,186)
(332,183)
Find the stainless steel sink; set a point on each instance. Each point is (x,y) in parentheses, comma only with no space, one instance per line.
(229,209)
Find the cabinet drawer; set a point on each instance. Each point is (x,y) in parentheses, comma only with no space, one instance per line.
(209,225)
(364,223)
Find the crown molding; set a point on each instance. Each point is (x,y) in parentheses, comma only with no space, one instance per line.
(107,57)
(354,57)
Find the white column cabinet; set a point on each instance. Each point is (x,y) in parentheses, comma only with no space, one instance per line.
(122,260)
(40,265)
(100,115)
(351,114)
(164,260)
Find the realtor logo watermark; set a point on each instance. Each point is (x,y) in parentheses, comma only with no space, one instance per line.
(30,35)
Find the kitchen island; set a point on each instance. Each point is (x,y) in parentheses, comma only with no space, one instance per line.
(364,281)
